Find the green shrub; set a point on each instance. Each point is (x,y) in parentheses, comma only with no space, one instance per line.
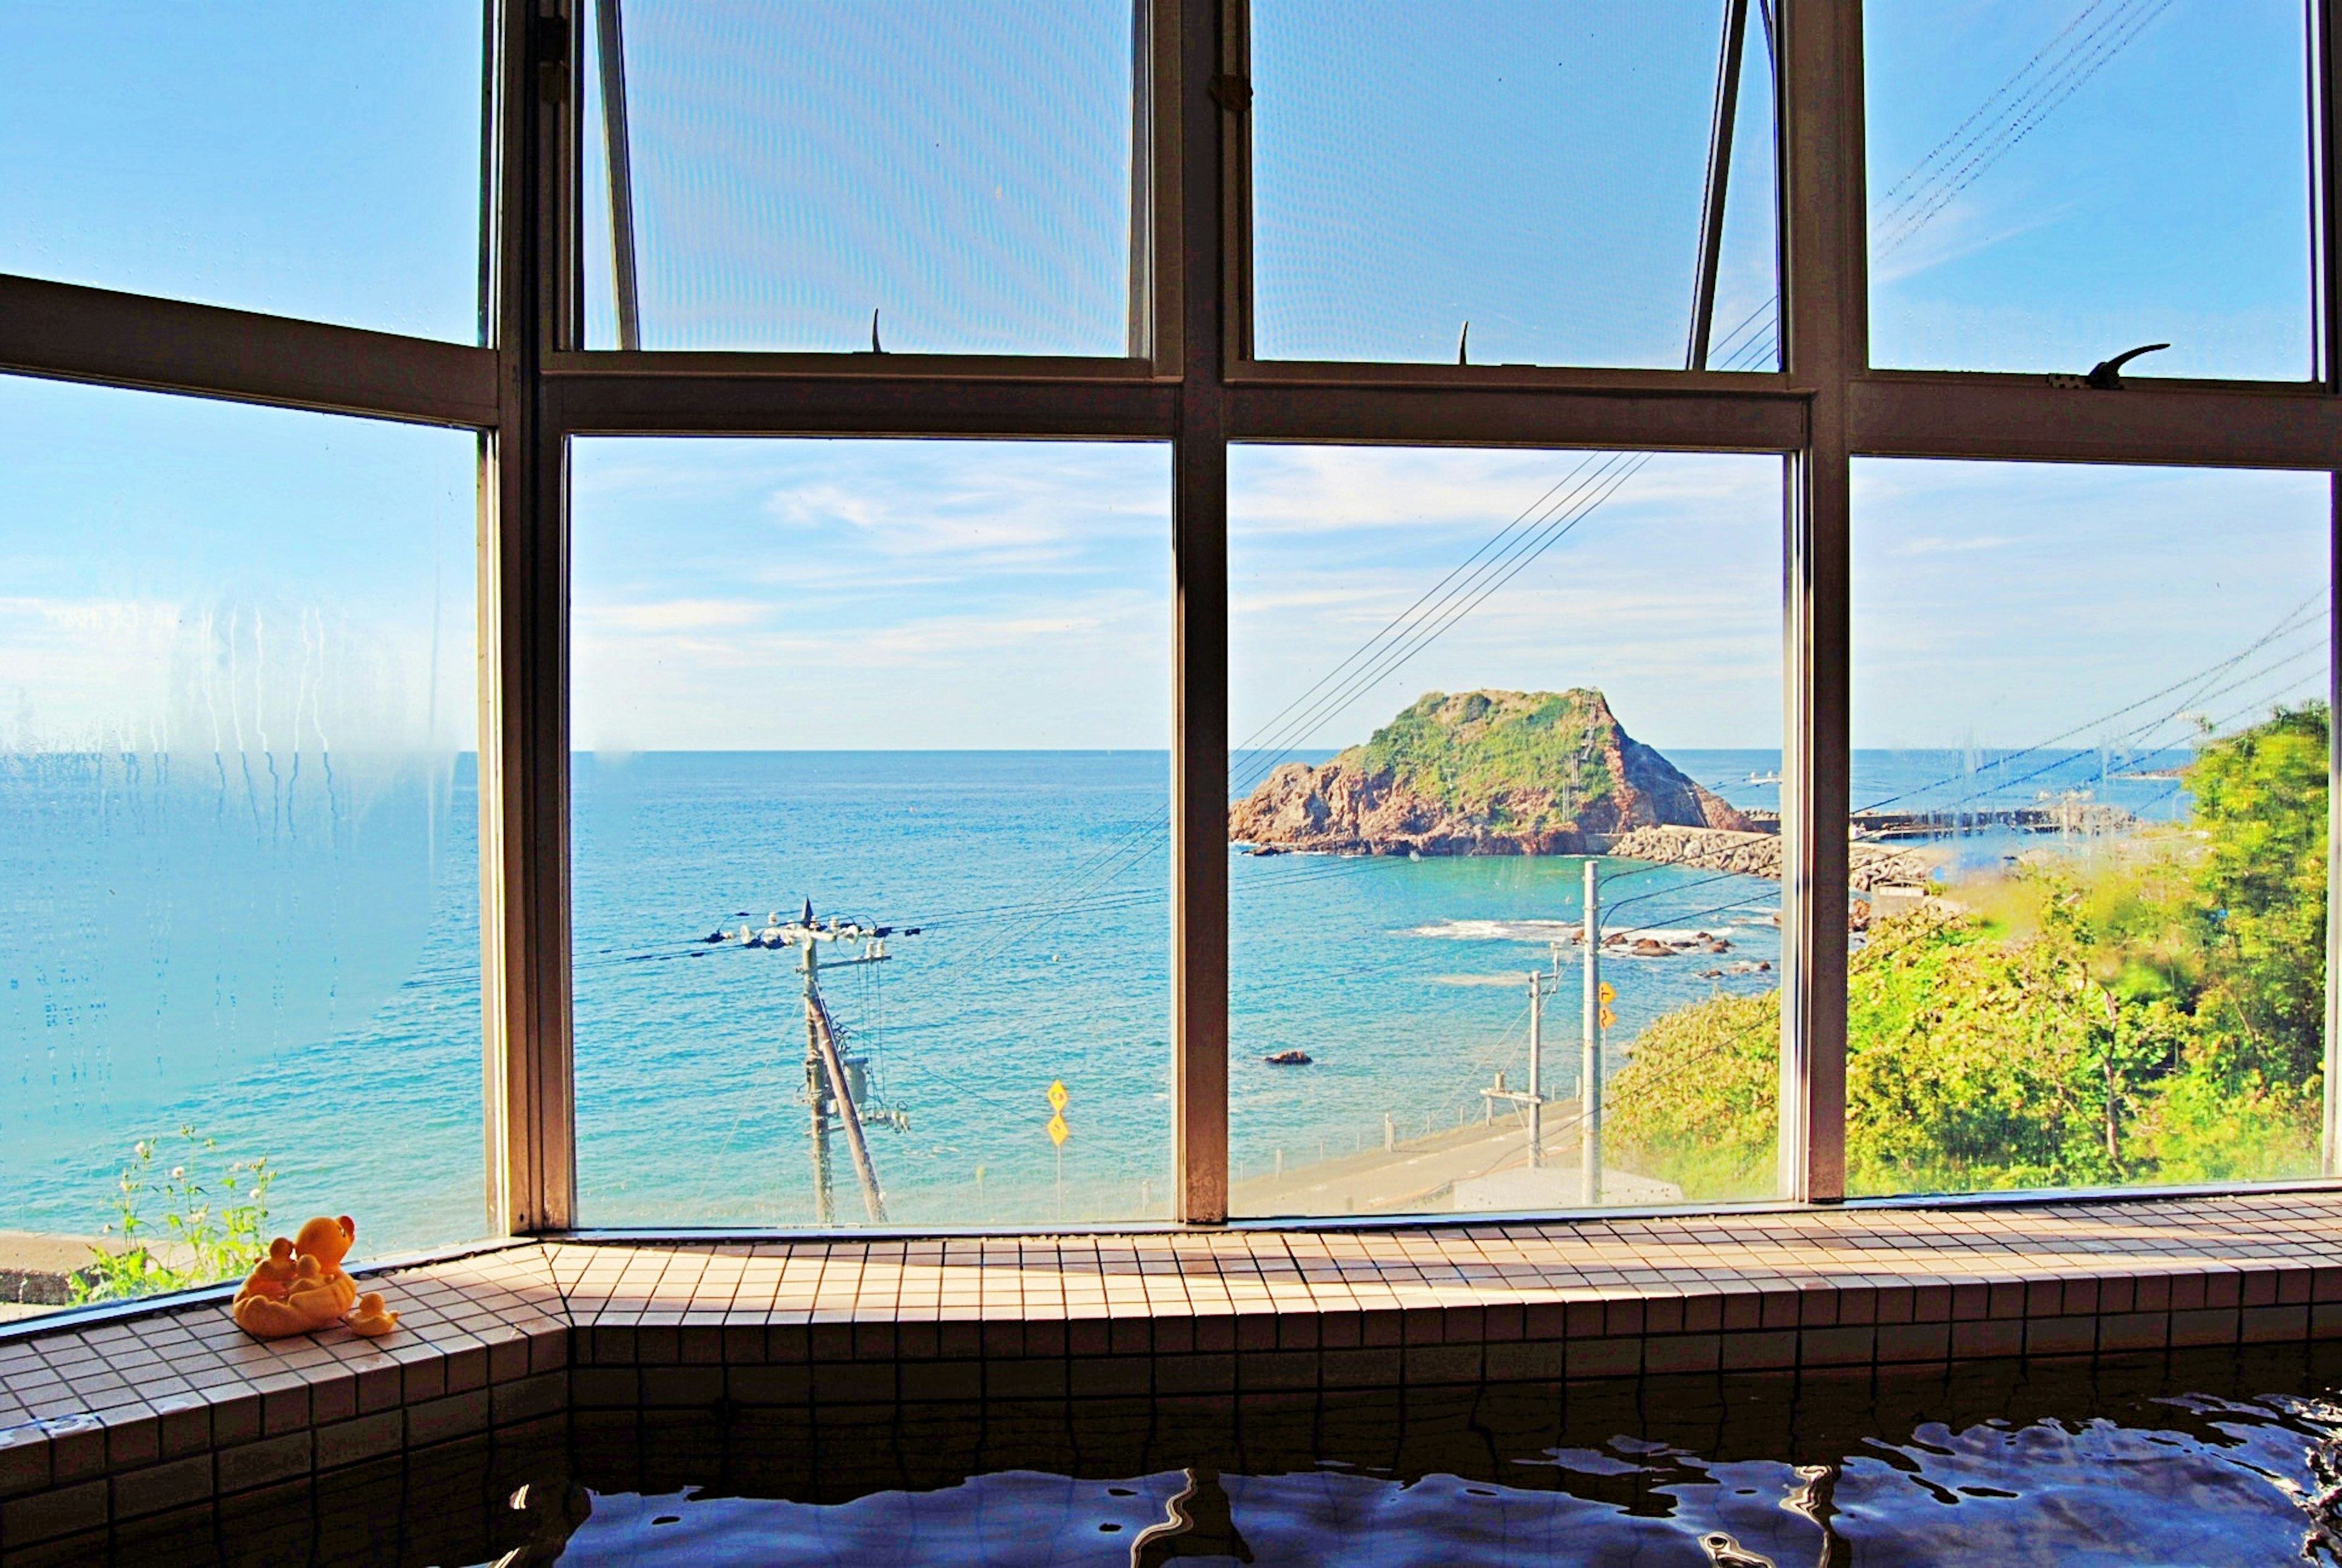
(209,1227)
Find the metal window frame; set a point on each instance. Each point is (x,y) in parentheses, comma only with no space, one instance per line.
(1190,381)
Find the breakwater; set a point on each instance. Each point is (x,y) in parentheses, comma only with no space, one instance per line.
(1757,855)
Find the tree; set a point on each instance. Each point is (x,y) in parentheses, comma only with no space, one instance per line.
(2260,805)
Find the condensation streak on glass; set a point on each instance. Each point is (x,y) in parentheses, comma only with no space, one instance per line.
(2091,713)
(1459,680)
(238,813)
(2056,182)
(1537,171)
(295,159)
(961,169)
(919,692)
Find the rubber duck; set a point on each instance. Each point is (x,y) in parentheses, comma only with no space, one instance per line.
(274,1275)
(299,1287)
(371,1318)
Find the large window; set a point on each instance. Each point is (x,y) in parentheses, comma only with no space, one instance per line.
(2054,182)
(918,690)
(1576,184)
(275,157)
(2090,754)
(238,828)
(1058,509)
(1467,687)
(924,176)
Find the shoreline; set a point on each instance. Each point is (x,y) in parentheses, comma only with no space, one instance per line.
(1874,866)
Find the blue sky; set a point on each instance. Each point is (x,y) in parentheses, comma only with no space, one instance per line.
(174,570)
(1532,168)
(906,593)
(961,166)
(2005,603)
(2167,199)
(302,159)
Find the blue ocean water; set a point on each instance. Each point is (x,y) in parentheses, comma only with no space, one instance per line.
(291,965)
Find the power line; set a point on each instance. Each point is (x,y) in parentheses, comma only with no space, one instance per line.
(2290,621)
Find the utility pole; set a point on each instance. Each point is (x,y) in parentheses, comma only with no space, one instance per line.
(1536,1070)
(1534,1100)
(830,1089)
(1590,1090)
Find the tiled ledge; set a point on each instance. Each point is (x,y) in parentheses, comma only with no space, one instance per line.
(154,1417)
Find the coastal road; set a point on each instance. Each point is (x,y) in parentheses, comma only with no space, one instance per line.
(1419,1176)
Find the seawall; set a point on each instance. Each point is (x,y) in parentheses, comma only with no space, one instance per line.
(1752,854)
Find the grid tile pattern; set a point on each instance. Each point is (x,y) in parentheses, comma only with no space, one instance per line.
(130,1419)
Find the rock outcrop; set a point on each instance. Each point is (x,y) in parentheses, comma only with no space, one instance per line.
(1480,773)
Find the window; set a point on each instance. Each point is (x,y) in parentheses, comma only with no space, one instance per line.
(919,689)
(278,159)
(239,819)
(1031,654)
(2091,713)
(2054,183)
(1542,174)
(929,176)
(1464,683)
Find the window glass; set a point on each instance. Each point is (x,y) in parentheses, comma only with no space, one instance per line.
(1535,170)
(302,160)
(2090,711)
(238,834)
(1459,681)
(2054,182)
(961,169)
(919,692)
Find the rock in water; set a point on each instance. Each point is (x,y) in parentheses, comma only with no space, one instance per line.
(1480,773)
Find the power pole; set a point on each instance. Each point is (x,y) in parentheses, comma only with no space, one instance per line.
(1536,1070)
(830,1091)
(1534,1099)
(1589,1091)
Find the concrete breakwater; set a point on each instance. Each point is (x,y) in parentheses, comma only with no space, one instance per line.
(1755,854)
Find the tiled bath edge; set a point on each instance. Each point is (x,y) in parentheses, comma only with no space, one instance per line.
(120,1425)
(135,1420)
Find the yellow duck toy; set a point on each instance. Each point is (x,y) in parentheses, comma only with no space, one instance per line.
(371,1318)
(299,1287)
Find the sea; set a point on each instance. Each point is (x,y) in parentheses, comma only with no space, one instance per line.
(285,959)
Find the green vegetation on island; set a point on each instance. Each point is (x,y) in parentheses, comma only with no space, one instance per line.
(2153,1013)
(1480,773)
(1543,752)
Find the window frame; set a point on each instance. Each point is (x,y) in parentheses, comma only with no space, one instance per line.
(1188,381)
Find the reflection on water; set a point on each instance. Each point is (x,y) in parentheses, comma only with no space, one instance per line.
(2003,1466)
(2200,1458)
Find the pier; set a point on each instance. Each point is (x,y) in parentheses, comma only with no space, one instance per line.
(2073,815)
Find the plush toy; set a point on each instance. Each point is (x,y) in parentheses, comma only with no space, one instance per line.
(299,1287)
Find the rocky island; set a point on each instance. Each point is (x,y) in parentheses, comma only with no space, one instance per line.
(1482,773)
(1522,773)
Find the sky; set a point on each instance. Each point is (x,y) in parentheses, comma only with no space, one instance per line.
(1531,169)
(321,161)
(178,573)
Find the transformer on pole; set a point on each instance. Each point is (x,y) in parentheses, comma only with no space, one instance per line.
(836,1086)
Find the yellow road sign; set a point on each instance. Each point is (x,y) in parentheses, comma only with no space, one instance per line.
(1608,1018)
(1057,1130)
(1057,1096)
(1609,994)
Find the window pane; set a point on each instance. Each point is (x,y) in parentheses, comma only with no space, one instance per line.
(302,160)
(2090,783)
(1459,680)
(921,688)
(961,168)
(2054,182)
(1535,170)
(239,868)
